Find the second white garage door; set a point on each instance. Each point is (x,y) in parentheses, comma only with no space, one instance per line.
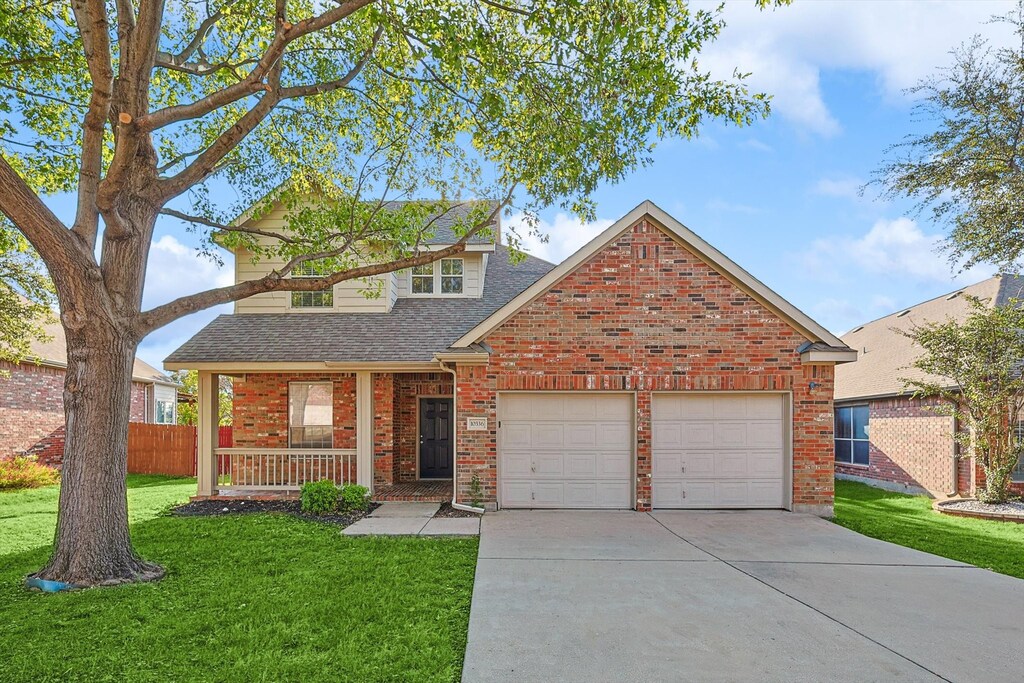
(718,451)
(565,450)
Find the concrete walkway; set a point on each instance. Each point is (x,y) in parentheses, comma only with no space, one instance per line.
(411,519)
(729,596)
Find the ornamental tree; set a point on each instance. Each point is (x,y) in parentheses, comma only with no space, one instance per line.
(975,365)
(203,110)
(967,171)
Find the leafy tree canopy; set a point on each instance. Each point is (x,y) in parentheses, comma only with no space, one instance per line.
(26,296)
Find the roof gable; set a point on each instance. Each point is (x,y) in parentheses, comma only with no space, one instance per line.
(801,322)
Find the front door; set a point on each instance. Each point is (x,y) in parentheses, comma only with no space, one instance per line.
(436,428)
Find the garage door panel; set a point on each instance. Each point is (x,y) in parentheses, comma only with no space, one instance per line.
(566,450)
(717,450)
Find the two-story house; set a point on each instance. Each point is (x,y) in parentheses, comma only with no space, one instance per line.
(645,370)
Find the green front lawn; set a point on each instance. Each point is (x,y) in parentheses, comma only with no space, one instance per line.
(910,521)
(246,598)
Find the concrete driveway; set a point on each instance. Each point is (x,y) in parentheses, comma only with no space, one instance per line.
(729,596)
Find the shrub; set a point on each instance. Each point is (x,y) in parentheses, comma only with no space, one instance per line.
(319,497)
(23,472)
(476,491)
(354,497)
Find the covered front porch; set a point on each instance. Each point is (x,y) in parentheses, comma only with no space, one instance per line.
(390,431)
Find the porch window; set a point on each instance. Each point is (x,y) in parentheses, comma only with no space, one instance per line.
(423,279)
(310,415)
(851,435)
(451,275)
(319,299)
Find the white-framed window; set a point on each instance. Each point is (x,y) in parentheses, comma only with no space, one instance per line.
(851,435)
(452,274)
(446,276)
(164,412)
(310,414)
(323,298)
(422,279)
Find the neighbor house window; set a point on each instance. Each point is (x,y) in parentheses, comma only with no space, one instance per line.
(320,299)
(423,279)
(165,412)
(852,435)
(451,275)
(1018,471)
(310,415)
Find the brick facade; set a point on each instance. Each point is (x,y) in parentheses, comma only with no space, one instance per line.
(32,411)
(261,408)
(408,389)
(911,445)
(644,315)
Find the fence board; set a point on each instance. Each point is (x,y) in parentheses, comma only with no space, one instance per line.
(162,449)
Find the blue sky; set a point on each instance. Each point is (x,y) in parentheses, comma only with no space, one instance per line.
(780,197)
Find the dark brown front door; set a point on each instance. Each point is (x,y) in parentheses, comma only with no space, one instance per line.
(436,428)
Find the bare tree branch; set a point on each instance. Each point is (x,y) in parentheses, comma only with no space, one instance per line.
(228,228)
(277,281)
(253,83)
(91,17)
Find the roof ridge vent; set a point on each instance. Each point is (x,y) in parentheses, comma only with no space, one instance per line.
(954,295)
(857,329)
(902,313)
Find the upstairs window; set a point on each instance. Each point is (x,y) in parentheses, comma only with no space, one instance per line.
(851,435)
(323,298)
(310,414)
(451,275)
(423,279)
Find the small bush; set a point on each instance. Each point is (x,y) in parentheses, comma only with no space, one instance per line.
(354,497)
(22,472)
(319,497)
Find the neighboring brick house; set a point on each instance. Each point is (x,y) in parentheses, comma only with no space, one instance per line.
(647,370)
(884,436)
(32,399)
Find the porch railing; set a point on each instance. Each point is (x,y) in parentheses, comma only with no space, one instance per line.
(283,468)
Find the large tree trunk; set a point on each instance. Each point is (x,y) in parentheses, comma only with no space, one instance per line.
(92,544)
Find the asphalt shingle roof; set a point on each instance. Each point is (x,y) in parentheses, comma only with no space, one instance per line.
(414,330)
(443,226)
(884,355)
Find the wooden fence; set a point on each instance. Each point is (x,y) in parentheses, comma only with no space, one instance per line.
(166,449)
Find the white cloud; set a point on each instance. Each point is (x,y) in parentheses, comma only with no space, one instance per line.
(565,235)
(175,269)
(787,48)
(756,145)
(898,249)
(844,188)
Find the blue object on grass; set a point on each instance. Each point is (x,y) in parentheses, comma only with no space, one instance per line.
(48,586)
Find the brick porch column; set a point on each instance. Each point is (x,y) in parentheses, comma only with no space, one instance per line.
(383,429)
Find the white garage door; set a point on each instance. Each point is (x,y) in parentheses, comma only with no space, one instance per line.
(717,451)
(570,450)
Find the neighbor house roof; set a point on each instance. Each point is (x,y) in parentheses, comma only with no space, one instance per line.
(54,352)
(414,330)
(829,347)
(885,355)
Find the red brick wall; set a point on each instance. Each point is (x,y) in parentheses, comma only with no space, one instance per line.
(910,444)
(647,315)
(383,429)
(408,389)
(32,411)
(261,408)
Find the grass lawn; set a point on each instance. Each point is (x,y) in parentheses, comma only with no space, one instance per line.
(910,521)
(246,598)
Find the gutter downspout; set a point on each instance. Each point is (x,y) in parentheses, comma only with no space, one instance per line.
(455,447)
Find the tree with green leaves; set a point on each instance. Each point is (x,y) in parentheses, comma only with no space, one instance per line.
(188,382)
(26,296)
(975,366)
(212,111)
(967,172)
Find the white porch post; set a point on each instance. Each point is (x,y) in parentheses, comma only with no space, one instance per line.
(364,429)
(207,427)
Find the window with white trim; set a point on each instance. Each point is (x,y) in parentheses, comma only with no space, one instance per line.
(851,435)
(452,274)
(310,415)
(165,412)
(323,298)
(423,279)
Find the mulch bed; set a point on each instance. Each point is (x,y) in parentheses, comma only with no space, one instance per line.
(216,508)
(448,511)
